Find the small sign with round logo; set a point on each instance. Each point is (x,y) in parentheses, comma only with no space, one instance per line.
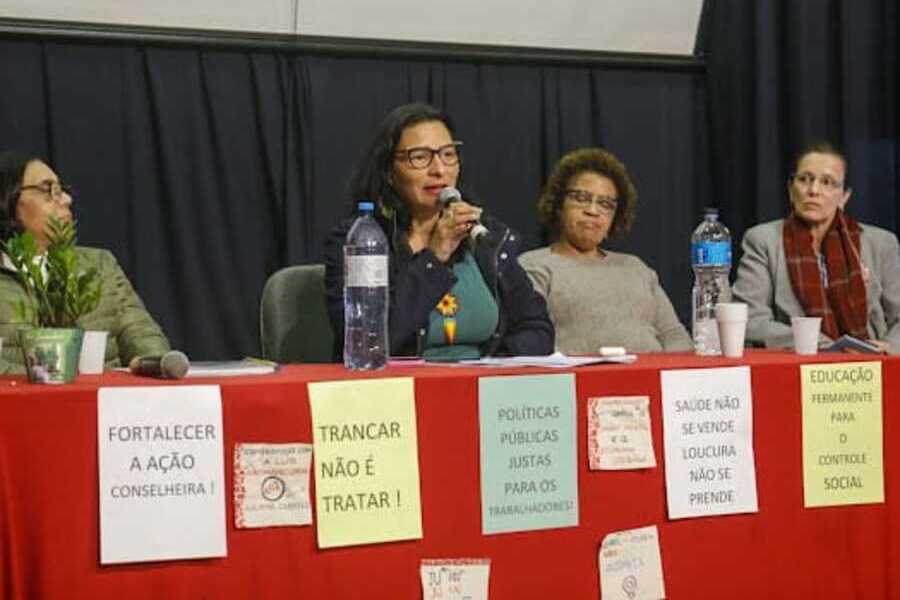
(271,485)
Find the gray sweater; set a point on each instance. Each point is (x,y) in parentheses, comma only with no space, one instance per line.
(614,301)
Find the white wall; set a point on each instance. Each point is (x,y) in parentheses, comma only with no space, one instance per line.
(661,26)
(273,16)
(655,26)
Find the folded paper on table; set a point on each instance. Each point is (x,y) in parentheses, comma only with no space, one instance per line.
(848,342)
(557,360)
(230,368)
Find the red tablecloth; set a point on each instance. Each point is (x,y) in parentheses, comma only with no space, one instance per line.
(49,542)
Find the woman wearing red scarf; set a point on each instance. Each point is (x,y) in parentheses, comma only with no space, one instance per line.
(820,262)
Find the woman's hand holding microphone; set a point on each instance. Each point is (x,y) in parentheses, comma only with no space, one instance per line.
(457,220)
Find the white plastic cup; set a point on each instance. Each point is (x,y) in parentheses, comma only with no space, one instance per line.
(806,334)
(93,352)
(731,317)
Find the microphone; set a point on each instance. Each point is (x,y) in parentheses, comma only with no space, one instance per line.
(448,196)
(171,365)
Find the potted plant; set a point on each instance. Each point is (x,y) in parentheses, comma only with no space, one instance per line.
(57,293)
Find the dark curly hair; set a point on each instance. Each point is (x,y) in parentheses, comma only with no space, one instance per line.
(583,160)
(12,170)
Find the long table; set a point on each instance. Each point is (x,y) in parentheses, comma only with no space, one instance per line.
(49,541)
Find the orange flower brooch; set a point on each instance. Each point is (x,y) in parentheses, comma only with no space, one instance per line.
(448,307)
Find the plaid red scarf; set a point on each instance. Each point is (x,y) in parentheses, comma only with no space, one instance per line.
(843,305)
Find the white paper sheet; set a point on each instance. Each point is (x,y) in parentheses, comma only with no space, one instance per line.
(455,579)
(161,473)
(708,434)
(619,435)
(631,565)
(557,360)
(230,368)
(271,485)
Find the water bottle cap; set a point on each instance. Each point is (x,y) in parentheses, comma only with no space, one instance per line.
(366,206)
(711,210)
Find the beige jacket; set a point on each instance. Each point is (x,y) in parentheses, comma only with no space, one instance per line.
(132,331)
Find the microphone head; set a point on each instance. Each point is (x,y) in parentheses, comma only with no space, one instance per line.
(448,194)
(478,231)
(174,364)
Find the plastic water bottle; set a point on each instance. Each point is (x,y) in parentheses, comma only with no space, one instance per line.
(365,293)
(711,261)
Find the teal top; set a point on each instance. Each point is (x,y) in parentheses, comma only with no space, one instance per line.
(476,316)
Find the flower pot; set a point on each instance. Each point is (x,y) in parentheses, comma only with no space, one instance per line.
(51,355)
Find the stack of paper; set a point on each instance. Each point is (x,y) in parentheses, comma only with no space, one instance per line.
(228,368)
(557,360)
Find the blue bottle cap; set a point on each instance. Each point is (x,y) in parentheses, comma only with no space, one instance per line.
(366,206)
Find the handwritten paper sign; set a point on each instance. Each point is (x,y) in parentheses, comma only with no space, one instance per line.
(708,433)
(271,485)
(161,473)
(455,579)
(528,455)
(366,461)
(842,434)
(619,435)
(631,566)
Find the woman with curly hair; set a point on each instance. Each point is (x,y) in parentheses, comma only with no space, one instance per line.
(597,297)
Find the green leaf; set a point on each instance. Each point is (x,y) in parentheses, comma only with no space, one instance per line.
(62,292)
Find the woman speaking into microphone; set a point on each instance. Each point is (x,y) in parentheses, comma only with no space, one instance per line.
(453,295)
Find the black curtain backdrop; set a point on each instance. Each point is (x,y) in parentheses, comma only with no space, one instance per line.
(781,73)
(205,170)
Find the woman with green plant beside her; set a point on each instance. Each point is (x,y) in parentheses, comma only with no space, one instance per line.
(34,201)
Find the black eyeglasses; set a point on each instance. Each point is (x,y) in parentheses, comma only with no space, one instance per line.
(52,190)
(420,157)
(584,199)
